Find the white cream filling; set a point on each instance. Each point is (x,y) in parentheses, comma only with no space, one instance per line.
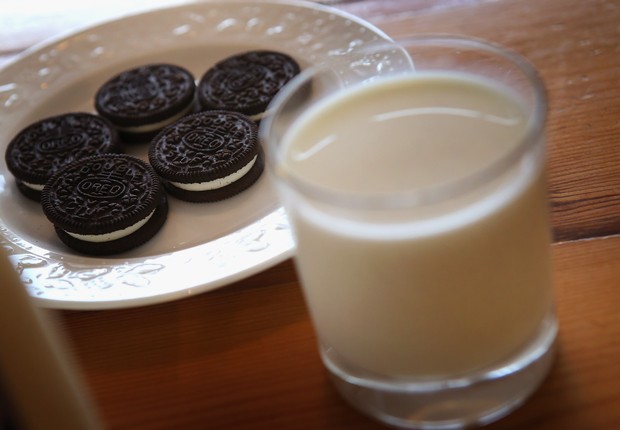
(108,237)
(156,125)
(216,183)
(36,187)
(258,116)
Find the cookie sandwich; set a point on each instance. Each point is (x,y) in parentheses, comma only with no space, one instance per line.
(143,100)
(208,156)
(246,82)
(105,204)
(42,148)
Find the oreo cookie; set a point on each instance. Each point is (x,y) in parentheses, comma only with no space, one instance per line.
(246,82)
(105,204)
(43,147)
(208,156)
(142,101)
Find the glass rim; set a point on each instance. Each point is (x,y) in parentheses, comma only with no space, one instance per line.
(429,194)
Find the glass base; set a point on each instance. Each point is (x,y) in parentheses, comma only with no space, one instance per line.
(452,403)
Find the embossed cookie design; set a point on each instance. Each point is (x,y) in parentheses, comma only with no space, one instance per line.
(142,101)
(208,156)
(45,146)
(105,204)
(246,82)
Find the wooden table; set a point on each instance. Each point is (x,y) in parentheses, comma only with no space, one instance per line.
(244,356)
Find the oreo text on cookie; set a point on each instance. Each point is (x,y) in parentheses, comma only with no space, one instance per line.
(101,188)
(205,139)
(61,144)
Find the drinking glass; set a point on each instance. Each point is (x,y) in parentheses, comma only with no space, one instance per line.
(413,175)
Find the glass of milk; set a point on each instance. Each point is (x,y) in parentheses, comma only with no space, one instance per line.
(413,175)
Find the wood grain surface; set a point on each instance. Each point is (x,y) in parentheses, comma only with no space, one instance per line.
(244,356)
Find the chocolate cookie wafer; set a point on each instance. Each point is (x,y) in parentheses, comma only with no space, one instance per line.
(208,156)
(246,82)
(142,101)
(42,148)
(105,204)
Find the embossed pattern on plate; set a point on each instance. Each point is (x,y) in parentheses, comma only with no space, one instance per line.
(200,247)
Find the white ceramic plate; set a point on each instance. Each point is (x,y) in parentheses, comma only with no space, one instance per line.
(201,246)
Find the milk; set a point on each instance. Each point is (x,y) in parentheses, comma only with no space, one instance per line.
(431,291)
